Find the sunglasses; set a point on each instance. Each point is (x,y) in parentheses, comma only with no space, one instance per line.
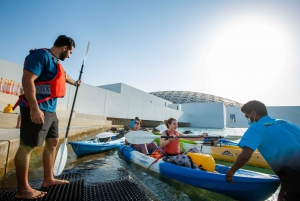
(136,122)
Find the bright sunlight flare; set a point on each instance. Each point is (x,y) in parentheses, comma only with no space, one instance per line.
(247,54)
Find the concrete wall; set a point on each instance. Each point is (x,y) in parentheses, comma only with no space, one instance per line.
(11,71)
(99,101)
(205,115)
(128,107)
(132,92)
(112,87)
(289,113)
(122,101)
(90,100)
(175,106)
(240,120)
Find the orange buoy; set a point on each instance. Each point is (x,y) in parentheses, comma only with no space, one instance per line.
(18,89)
(12,88)
(5,86)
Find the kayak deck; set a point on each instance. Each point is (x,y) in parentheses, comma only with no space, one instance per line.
(229,154)
(94,146)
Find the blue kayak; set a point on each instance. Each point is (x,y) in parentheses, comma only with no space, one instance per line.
(94,146)
(248,185)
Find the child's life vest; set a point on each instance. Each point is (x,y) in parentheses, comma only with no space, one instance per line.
(55,88)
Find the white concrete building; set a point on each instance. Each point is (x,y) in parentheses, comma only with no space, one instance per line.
(122,102)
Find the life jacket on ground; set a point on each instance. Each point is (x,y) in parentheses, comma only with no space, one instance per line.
(173,148)
(156,154)
(55,88)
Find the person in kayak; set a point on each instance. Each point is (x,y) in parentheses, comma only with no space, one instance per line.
(278,142)
(131,125)
(143,148)
(171,146)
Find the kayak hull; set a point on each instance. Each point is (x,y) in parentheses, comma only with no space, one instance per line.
(229,154)
(94,146)
(248,185)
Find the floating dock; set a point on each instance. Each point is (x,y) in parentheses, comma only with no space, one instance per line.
(89,185)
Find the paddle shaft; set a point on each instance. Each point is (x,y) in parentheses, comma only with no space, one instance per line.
(61,158)
(171,136)
(73,105)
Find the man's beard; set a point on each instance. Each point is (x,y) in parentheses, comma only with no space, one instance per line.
(63,55)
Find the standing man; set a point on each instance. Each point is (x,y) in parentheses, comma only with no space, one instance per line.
(279,143)
(44,80)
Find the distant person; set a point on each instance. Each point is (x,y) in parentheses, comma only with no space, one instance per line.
(171,146)
(19,116)
(39,122)
(279,143)
(147,148)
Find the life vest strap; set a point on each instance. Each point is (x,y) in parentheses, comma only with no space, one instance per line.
(42,82)
(44,99)
(21,97)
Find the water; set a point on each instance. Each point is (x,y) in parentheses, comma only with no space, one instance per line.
(163,187)
(226,132)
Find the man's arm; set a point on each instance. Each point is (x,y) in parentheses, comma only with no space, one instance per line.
(37,116)
(241,160)
(71,81)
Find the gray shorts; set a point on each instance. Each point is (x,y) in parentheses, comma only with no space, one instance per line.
(34,135)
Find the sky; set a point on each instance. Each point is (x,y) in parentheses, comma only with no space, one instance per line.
(240,50)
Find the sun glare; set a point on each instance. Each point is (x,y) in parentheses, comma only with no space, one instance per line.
(247,52)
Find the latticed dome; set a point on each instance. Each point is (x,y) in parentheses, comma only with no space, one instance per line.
(179,97)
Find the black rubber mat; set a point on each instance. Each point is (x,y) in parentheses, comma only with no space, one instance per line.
(97,184)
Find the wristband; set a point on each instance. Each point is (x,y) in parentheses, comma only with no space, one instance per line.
(75,83)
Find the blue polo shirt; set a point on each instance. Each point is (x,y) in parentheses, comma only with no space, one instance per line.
(44,66)
(277,140)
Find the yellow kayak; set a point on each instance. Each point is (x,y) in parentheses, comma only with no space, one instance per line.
(229,153)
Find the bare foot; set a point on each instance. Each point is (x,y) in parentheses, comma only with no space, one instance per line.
(54,182)
(29,194)
(18,126)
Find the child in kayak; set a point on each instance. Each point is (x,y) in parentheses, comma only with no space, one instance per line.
(171,146)
(143,148)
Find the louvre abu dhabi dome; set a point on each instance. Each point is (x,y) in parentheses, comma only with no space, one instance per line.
(179,97)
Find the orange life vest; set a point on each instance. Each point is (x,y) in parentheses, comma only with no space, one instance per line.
(55,88)
(173,147)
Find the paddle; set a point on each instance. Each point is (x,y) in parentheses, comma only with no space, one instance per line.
(142,137)
(61,157)
(106,135)
(227,142)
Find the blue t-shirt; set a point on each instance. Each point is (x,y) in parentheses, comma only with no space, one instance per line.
(41,63)
(277,140)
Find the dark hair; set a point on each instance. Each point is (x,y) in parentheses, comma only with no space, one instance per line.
(138,120)
(256,106)
(169,121)
(113,129)
(63,40)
